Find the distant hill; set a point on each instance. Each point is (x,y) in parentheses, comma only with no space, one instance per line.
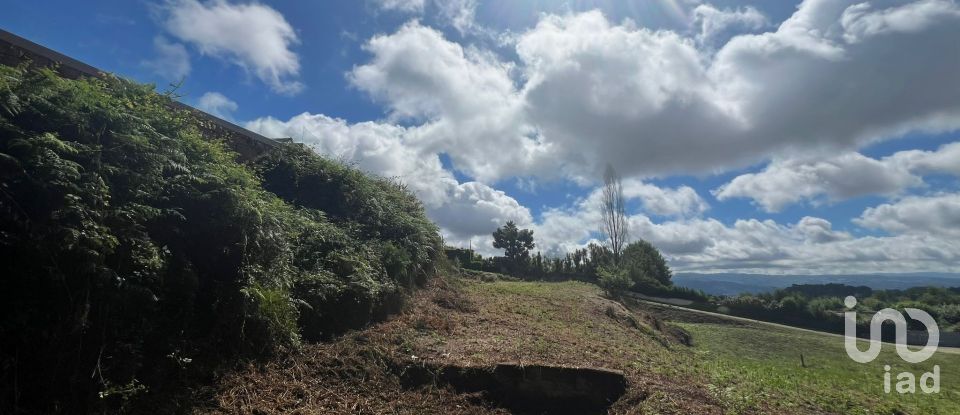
(733,283)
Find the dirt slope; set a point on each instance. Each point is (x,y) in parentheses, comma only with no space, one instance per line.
(465,323)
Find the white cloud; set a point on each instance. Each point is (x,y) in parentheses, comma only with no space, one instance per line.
(474,208)
(379,148)
(461,14)
(252,35)
(469,212)
(817,230)
(923,233)
(784,182)
(749,245)
(464,211)
(681,201)
(809,246)
(407,6)
(584,91)
(645,101)
(946,159)
(458,14)
(465,99)
(172,62)
(602,93)
(713,23)
(917,215)
(563,229)
(862,20)
(217,104)
(419,74)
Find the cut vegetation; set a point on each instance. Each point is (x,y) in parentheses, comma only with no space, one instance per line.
(418,361)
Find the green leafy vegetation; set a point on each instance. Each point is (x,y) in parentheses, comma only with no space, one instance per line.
(615,281)
(640,267)
(516,244)
(140,257)
(820,306)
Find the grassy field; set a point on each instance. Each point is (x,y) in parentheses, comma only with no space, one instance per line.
(732,368)
(756,368)
(752,363)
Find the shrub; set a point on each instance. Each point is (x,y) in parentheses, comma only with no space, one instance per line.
(825,307)
(642,261)
(614,281)
(139,254)
(655,288)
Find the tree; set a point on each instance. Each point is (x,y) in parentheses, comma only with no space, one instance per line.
(614,216)
(643,262)
(515,242)
(614,280)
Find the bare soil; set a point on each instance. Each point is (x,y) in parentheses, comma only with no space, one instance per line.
(470,323)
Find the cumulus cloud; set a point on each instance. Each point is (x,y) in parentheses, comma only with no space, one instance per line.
(463,210)
(464,97)
(581,92)
(601,93)
(408,6)
(474,208)
(461,14)
(469,212)
(784,182)
(810,245)
(458,14)
(863,20)
(713,23)
(644,99)
(417,73)
(217,104)
(563,229)
(817,230)
(466,212)
(789,181)
(172,62)
(252,35)
(916,215)
(946,159)
(584,91)
(680,201)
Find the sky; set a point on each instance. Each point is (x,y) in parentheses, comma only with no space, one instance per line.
(752,136)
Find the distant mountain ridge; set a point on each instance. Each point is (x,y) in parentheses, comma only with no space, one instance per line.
(735,283)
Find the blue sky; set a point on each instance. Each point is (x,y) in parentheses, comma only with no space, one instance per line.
(752,136)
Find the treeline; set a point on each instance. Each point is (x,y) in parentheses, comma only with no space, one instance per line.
(581,264)
(820,306)
(140,257)
(641,268)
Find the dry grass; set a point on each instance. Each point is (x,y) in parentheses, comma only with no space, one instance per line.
(467,322)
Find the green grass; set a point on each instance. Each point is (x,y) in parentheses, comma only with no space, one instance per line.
(748,365)
(732,368)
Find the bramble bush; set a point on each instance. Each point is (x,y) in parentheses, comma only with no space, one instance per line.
(139,256)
